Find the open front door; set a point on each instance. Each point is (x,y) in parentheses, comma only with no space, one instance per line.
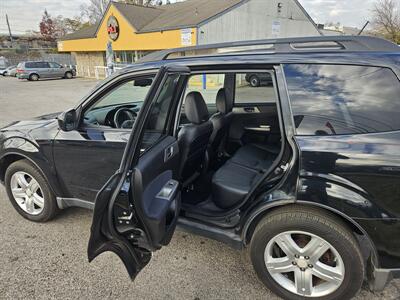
(137,210)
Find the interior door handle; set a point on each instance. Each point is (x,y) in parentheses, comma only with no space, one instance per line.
(168,153)
(261,128)
(249,109)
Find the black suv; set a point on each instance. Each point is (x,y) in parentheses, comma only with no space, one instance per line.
(304,173)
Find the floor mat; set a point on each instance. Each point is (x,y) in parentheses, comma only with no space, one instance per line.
(200,192)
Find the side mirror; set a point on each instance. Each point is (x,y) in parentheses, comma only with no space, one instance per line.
(67,121)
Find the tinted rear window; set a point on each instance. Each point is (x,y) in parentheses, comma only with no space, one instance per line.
(36,65)
(338,99)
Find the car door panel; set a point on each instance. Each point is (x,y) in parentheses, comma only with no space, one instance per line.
(104,236)
(136,212)
(155,191)
(253,124)
(86,158)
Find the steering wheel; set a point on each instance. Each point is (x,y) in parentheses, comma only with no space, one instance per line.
(123,116)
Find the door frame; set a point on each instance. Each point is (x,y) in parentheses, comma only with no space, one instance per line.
(134,256)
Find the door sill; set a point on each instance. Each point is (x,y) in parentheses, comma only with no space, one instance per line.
(226,236)
(64,203)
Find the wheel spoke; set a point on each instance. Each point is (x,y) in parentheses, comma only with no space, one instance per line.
(29,204)
(38,200)
(303,282)
(33,185)
(21,180)
(18,193)
(288,245)
(315,248)
(280,265)
(328,273)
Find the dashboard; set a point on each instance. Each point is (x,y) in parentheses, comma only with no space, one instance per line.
(115,116)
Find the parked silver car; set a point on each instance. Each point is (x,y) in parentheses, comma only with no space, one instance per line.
(2,70)
(35,70)
(10,71)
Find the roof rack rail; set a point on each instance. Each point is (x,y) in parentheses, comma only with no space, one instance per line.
(285,45)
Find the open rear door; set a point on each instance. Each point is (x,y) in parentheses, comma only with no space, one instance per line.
(137,210)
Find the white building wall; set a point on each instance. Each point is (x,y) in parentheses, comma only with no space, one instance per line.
(258,19)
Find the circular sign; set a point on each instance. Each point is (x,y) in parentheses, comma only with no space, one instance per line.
(113,28)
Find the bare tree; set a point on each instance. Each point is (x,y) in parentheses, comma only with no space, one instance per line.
(96,8)
(387,19)
(144,2)
(94,11)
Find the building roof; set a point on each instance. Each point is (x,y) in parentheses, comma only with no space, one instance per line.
(84,33)
(167,17)
(138,16)
(188,13)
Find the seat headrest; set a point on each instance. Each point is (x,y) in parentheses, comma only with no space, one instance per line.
(222,101)
(195,108)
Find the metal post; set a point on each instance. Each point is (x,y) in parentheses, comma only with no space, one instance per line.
(362,30)
(9,30)
(204,81)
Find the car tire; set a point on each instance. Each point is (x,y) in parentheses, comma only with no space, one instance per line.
(255,81)
(44,206)
(293,276)
(33,77)
(68,75)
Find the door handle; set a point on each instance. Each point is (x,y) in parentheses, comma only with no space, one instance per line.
(168,153)
(261,128)
(249,109)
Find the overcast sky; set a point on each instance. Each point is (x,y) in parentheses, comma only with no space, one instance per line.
(26,14)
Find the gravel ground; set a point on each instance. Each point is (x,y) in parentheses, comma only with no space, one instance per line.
(47,261)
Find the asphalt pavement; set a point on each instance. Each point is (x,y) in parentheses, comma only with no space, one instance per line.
(48,261)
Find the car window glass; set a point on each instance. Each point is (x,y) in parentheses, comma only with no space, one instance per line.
(54,65)
(254,88)
(30,65)
(335,99)
(129,95)
(157,120)
(207,84)
(43,65)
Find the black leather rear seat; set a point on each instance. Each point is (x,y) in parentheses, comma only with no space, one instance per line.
(234,180)
(254,156)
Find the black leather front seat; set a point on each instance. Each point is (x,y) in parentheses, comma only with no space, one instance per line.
(221,121)
(193,138)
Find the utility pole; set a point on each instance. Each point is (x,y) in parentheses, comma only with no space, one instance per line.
(9,31)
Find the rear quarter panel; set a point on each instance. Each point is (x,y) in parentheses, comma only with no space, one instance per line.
(360,176)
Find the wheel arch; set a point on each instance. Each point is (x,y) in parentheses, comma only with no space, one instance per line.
(33,73)
(250,226)
(7,159)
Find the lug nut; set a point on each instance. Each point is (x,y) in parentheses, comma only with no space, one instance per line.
(307,257)
(310,266)
(296,256)
(302,269)
(294,263)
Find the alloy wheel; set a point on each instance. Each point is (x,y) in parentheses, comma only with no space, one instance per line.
(27,193)
(254,81)
(304,264)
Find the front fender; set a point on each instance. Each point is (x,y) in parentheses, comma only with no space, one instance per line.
(19,147)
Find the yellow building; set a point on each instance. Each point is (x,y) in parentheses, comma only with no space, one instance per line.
(135,30)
